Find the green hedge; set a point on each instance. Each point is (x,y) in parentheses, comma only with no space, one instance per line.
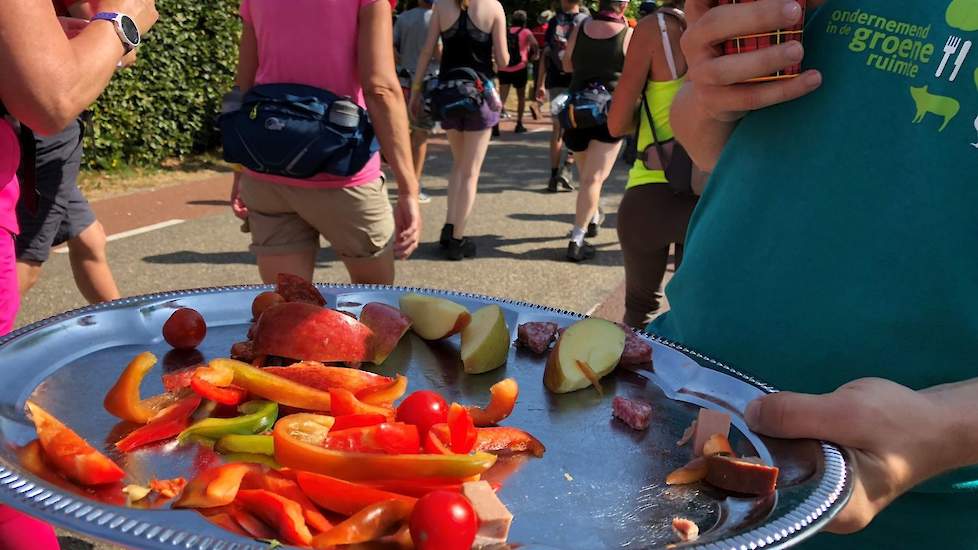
(164,106)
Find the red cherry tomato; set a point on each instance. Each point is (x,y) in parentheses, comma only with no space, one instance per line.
(443,520)
(185,329)
(424,409)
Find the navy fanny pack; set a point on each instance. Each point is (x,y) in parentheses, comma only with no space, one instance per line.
(455,93)
(587,108)
(298,131)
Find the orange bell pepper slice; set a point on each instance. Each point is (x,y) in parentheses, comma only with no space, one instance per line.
(462,429)
(345,403)
(123,399)
(71,455)
(341,496)
(501,404)
(288,488)
(284,514)
(299,445)
(371,523)
(273,387)
(385,395)
(214,487)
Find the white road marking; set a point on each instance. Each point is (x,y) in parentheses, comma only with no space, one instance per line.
(63,249)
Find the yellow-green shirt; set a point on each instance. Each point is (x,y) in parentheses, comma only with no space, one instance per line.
(659,96)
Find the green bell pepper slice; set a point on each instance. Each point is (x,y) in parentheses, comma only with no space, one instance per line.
(257,417)
(252,444)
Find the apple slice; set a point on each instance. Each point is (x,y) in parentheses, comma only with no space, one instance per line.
(434,318)
(308,332)
(485,341)
(595,343)
(388,324)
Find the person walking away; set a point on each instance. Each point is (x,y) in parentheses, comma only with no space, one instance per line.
(830,253)
(44,85)
(522,47)
(595,56)
(410,32)
(473,35)
(651,217)
(346,49)
(540,34)
(554,81)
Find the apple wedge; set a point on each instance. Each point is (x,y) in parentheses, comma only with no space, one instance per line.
(388,325)
(308,332)
(485,341)
(595,343)
(434,318)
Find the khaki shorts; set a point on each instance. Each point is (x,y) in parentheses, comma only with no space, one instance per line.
(357,221)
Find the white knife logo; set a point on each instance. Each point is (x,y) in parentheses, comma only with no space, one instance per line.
(962,55)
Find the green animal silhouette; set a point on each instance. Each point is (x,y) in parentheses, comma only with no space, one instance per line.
(927,102)
(963,14)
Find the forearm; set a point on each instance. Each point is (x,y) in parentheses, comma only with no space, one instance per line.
(703,136)
(959,415)
(385,102)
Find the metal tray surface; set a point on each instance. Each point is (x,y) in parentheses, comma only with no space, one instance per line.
(600,484)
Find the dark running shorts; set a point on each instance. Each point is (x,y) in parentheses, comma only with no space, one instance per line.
(515,78)
(577,139)
(62,212)
(483,119)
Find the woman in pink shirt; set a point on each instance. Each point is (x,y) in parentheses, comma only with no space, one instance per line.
(342,46)
(523,47)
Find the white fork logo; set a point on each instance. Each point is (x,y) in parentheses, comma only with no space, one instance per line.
(949,48)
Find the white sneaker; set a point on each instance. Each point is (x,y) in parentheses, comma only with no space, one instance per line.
(423,198)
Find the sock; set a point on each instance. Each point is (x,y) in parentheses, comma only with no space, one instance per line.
(553,172)
(597,218)
(577,235)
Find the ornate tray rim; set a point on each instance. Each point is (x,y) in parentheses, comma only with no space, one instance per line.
(29,494)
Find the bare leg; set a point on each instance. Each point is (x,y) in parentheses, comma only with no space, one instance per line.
(371,271)
(556,142)
(419,150)
(90,266)
(504,95)
(521,103)
(469,150)
(594,167)
(28,273)
(455,141)
(297,263)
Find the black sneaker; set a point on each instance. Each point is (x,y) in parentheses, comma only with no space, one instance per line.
(520,129)
(460,248)
(565,177)
(495,131)
(554,182)
(447,231)
(579,252)
(592,230)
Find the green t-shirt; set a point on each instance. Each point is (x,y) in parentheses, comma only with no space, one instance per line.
(838,237)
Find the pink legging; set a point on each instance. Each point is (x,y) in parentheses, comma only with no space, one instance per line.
(21,532)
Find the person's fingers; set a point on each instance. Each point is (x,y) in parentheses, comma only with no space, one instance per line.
(800,416)
(731,69)
(733,101)
(722,23)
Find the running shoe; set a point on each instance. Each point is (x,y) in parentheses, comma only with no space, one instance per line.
(579,252)
(520,129)
(565,177)
(460,248)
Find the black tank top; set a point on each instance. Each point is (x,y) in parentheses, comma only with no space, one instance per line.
(464,45)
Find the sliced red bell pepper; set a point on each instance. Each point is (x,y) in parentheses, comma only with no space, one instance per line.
(229,395)
(255,527)
(214,487)
(371,523)
(390,438)
(178,380)
(299,445)
(385,395)
(340,496)
(501,404)
(264,384)
(462,429)
(168,423)
(504,438)
(123,399)
(288,488)
(357,421)
(284,514)
(321,377)
(71,455)
(168,488)
(345,403)
(415,487)
(226,522)
(31,457)
(438,440)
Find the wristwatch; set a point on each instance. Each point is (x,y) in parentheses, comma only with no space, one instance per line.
(125,27)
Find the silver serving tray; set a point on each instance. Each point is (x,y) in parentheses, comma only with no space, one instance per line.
(600,484)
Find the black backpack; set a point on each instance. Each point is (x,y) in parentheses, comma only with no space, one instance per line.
(513,44)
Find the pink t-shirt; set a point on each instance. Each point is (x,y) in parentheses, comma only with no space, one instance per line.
(524,38)
(311,42)
(9,190)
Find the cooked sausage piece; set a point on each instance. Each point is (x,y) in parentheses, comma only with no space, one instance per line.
(637,414)
(536,336)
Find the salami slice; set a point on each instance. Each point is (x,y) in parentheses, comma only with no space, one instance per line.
(296,289)
(637,350)
(536,336)
(633,412)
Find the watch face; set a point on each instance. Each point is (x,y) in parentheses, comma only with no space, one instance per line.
(129,29)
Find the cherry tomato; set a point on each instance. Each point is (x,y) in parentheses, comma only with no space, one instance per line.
(443,520)
(264,301)
(424,409)
(185,329)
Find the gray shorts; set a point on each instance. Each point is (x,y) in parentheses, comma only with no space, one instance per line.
(62,212)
